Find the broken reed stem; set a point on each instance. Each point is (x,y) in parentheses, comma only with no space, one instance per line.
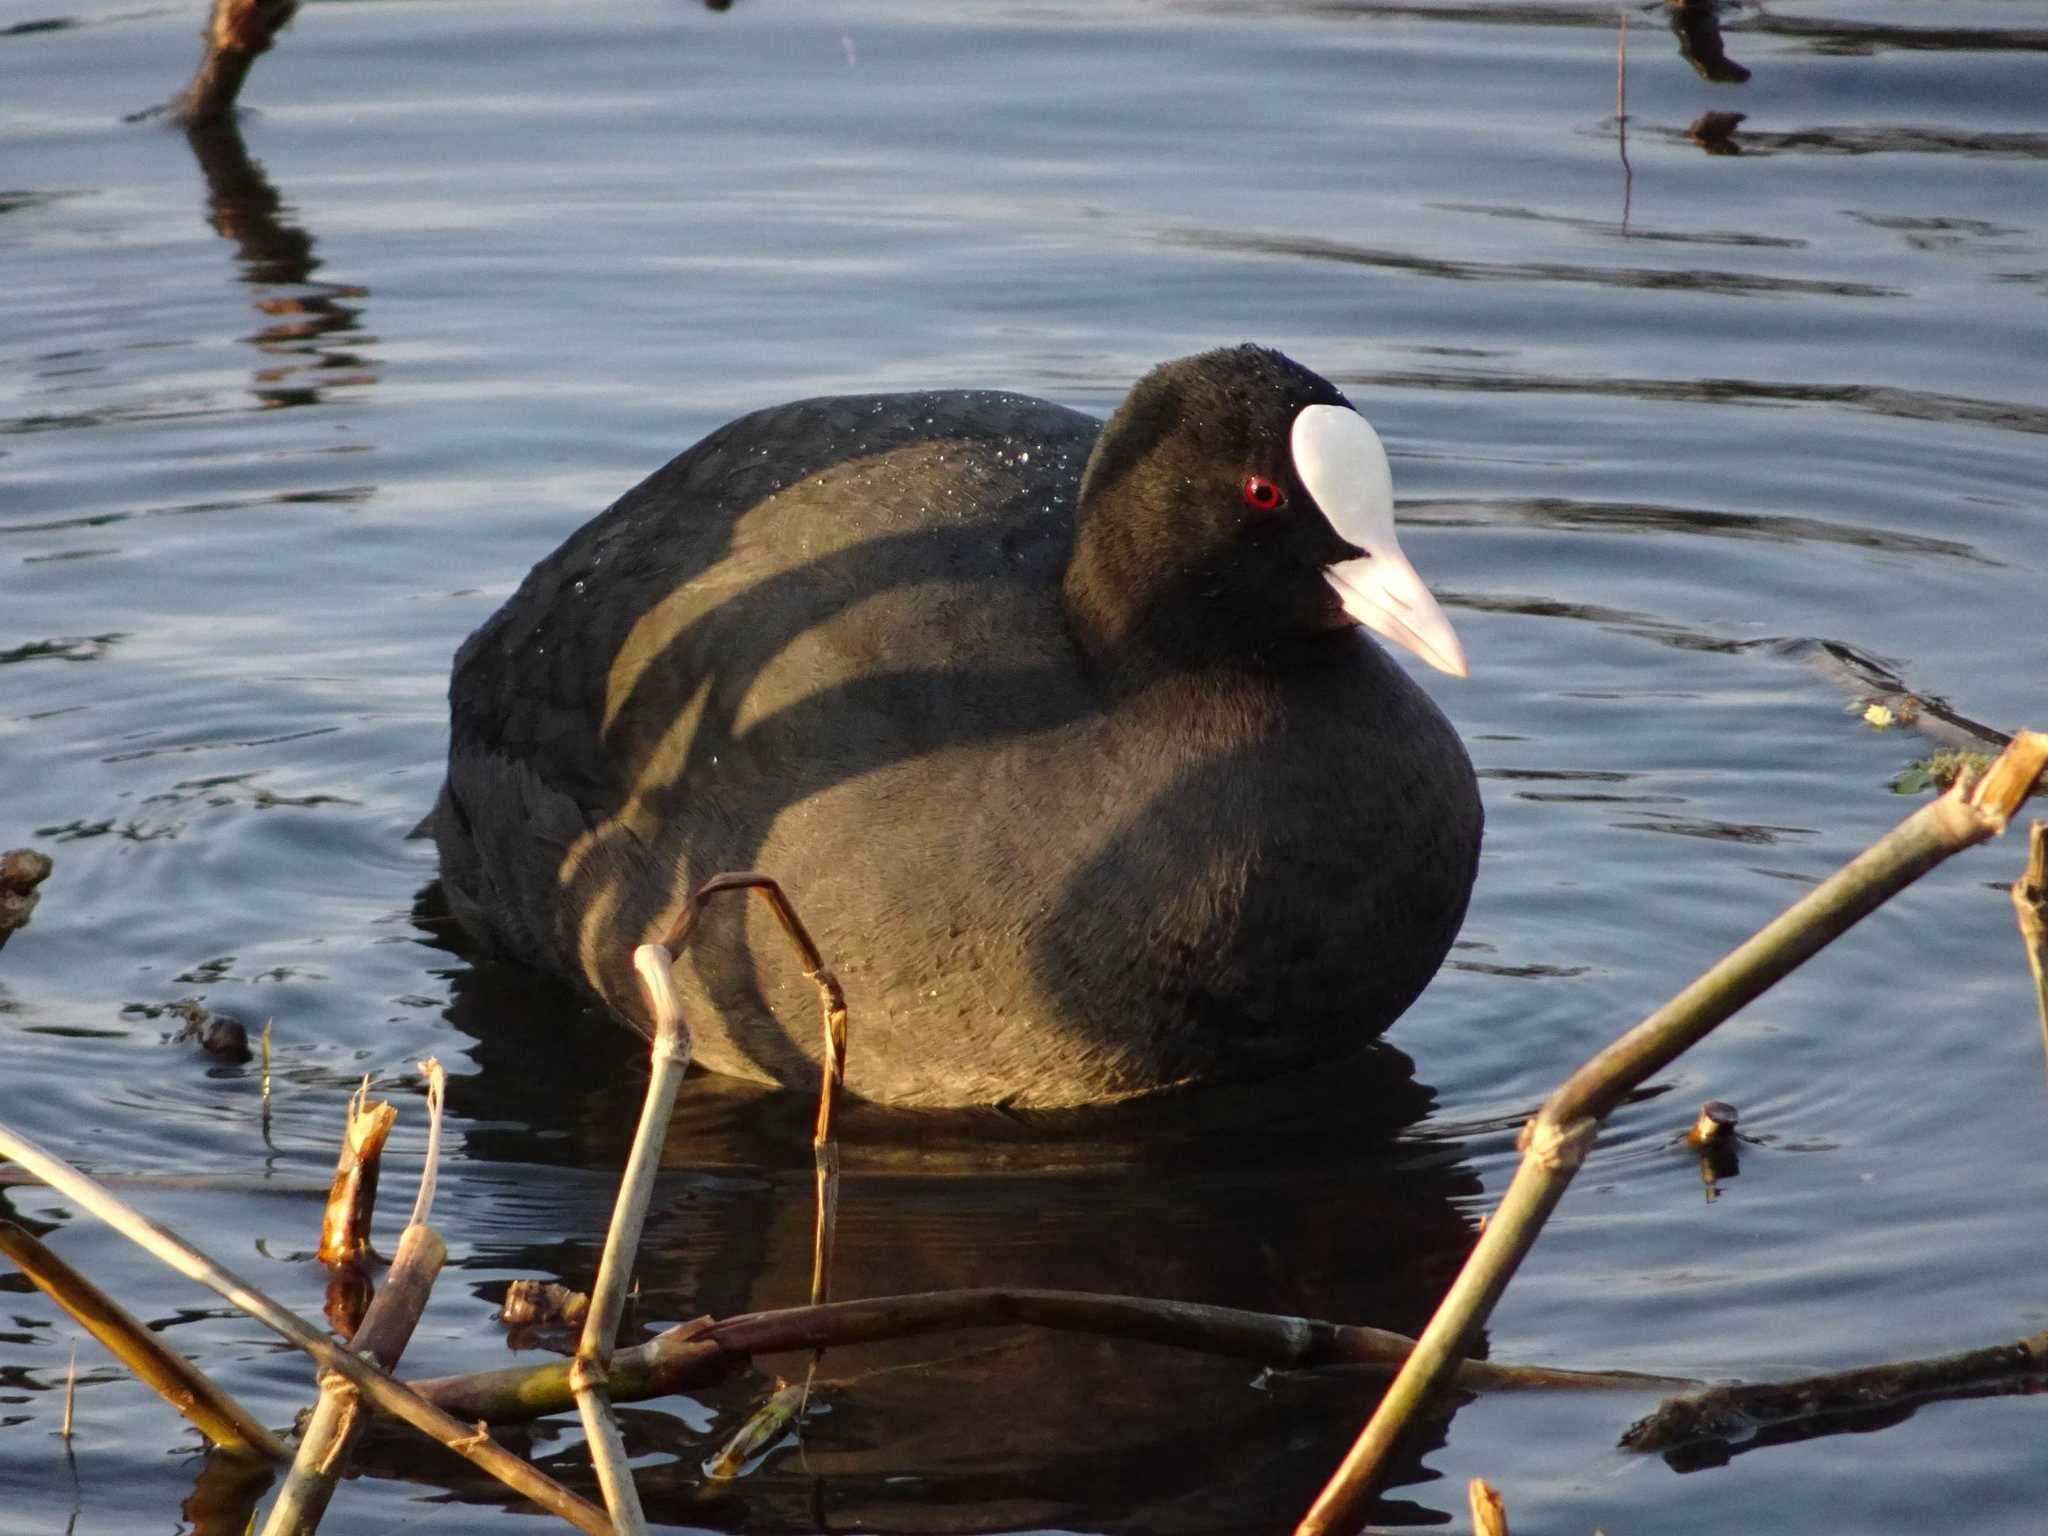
(338,1417)
(695,1353)
(430,1172)
(237,34)
(352,1201)
(384,1393)
(1556,1141)
(590,1371)
(2030,906)
(763,1428)
(155,1364)
(1489,1515)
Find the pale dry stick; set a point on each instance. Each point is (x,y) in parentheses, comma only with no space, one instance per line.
(70,1395)
(430,1173)
(1556,1141)
(2030,905)
(590,1371)
(391,1397)
(696,1353)
(216,1413)
(1628,175)
(1489,1515)
(338,1417)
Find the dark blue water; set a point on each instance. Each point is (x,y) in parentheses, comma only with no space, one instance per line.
(280,424)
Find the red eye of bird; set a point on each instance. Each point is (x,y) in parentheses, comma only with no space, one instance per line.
(1263,493)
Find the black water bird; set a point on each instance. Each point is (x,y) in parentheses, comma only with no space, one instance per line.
(1064,736)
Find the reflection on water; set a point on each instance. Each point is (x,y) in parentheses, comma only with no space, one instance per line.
(1310,1197)
(1722,282)
(1821,34)
(1697,26)
(1558,512)
(1613,228)
(1892,139)
(1879,399)
(275,252)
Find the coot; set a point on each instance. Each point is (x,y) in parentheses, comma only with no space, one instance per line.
(1063,736)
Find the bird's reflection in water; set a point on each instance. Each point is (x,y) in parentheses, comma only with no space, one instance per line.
(1310,1196)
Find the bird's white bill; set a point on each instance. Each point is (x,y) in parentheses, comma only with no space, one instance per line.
(1340,460)
(1384,594)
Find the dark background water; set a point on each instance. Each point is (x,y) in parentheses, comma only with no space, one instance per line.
(278,428)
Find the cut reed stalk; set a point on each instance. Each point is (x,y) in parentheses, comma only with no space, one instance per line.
(338,1417)
(1556,1141)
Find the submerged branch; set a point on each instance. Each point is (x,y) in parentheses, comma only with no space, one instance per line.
(695,1353)
(1705,1428)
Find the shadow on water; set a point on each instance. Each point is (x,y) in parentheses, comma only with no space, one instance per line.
(1313,1196)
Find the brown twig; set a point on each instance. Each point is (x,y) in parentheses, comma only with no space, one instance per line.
(832,1007)
(1556,1141)
(237,34)
(825,1160)
(155,1364)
